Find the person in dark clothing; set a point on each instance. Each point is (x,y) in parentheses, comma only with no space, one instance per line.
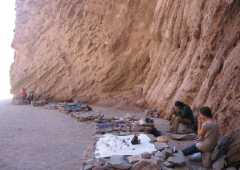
(30,96)
(182,113)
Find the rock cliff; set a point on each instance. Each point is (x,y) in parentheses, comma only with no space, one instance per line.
(144,52)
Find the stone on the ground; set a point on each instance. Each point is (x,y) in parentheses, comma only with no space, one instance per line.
(38,103)
(162,155)
(219,164)
(84,117)
(168,164)
(146,155)
(116,125)
(55,106)
(183,129)
(169,152)
(183,136)
(51,106)
(134,159)
(88,167)
(145,165)
(177,159)
(161,146)
(129,117)
(119,162)
(97,164)
(153,113)
(104,127)
(76,107)
(89,164)
(163,139)
(137,128)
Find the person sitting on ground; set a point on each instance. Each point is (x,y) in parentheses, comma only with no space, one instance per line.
(208,133)
(23,94)
(21,98)
(30,96)
(182,113)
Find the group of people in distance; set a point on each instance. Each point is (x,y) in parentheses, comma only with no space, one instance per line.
(204,124)
(24,97)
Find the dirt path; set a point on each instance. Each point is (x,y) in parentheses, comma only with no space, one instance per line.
(39,139)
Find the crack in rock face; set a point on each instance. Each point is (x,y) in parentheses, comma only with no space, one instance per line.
(144,53)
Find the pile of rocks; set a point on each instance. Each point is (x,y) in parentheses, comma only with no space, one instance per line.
(165,158)
(55,106)
(76,107)
(114,125)
(87,116)
(69,107)
(38,103)
(80,111)
(155,113)
(127,124)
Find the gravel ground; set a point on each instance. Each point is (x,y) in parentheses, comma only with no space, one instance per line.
(38,139)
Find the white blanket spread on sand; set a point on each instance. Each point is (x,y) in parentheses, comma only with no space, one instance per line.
(110,145)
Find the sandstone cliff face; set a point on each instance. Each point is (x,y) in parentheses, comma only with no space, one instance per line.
(149,52)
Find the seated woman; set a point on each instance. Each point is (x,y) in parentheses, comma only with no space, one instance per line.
(208,133)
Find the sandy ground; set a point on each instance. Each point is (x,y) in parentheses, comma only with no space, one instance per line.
(38,139)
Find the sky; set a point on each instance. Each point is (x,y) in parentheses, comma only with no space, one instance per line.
(7,21)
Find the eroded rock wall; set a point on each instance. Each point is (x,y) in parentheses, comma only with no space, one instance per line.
(149,52)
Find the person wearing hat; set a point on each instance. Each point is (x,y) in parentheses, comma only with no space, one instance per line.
(208,133)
